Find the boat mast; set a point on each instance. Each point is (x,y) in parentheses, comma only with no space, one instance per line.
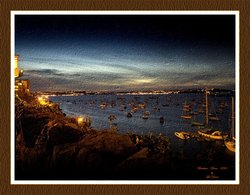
(206,107)
(232,129)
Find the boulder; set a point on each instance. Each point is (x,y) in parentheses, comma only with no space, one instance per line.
(32,126)
(96,155)
(135,161)
(63,156)
(110,143)
(61,132)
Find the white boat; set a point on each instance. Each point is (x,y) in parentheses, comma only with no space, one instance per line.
(230,142)
(182,135)
(212,134)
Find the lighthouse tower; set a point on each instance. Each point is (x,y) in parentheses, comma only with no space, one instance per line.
(18,73)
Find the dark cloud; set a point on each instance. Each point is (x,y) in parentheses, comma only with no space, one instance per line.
(50,73)
(43,72)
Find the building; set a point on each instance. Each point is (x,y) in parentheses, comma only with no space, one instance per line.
(21,85)
(18,73)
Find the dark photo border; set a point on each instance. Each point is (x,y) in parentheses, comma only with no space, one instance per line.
(166,5)
(183,14)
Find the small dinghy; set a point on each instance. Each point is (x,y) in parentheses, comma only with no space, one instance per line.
(182,135)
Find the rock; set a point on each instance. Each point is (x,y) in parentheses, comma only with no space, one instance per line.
(110,143)
(63,156)
(96,155)
(134,161)
(142,165)
(61,132)
(32,126)
(70,151)
(143,153)
(81,158)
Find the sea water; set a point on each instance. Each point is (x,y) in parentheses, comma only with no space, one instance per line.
(100,107)
(168,106)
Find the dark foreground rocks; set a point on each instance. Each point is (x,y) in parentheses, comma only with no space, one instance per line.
(95,156)
(50,145)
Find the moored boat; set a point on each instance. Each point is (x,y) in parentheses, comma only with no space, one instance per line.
(182,135)
(212,134)
(230,142)
(209,132)
(186,116)
(195,123)
(161,119)
(214,118)
(103,106)
(129,115)
(146,115)
(186,109)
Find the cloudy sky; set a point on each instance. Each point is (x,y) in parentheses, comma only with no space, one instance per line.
(126,52)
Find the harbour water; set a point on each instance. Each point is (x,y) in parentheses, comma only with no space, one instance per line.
(206,155)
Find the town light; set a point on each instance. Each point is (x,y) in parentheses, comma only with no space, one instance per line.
(40,99)
(80,120)
(43,100)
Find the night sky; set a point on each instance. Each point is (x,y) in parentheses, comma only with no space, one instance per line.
(126,52)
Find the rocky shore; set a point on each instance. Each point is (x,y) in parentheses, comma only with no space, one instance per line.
(50,145)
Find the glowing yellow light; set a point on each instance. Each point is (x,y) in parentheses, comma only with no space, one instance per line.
(42,100)
(16,66)
(80,120)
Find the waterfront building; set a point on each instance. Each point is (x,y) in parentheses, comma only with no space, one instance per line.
(21,85)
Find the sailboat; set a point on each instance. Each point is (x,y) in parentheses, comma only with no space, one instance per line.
(209,132)
(213,116)
(230,142)
(186,109)
(196,123)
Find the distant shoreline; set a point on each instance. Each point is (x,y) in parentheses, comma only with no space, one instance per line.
(213,91)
